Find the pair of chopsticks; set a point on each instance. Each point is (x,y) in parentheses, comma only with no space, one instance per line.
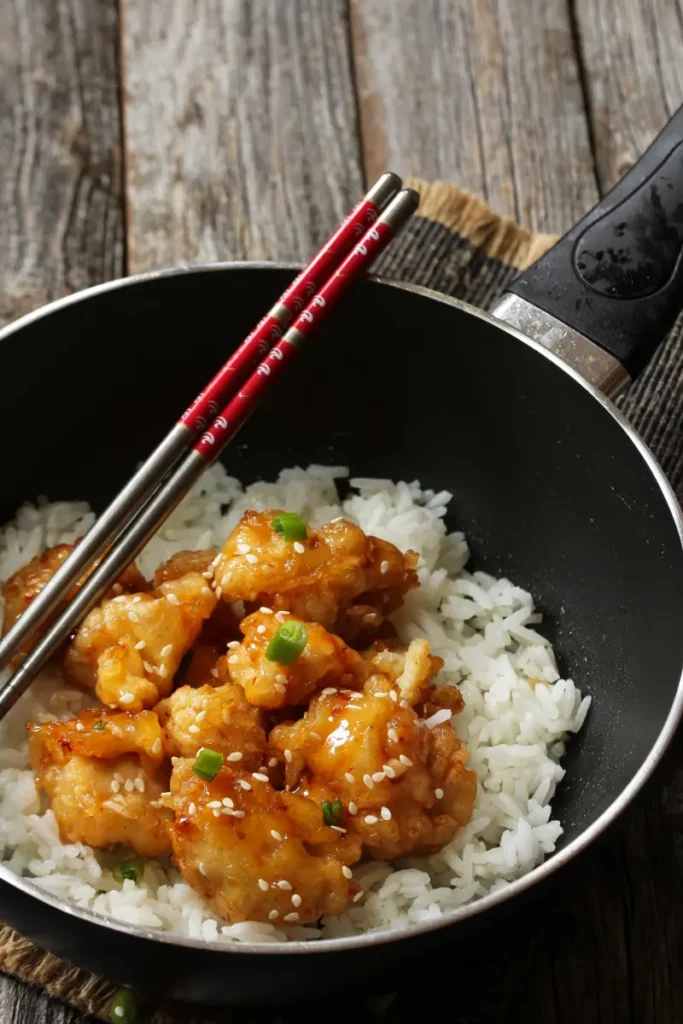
(200,435)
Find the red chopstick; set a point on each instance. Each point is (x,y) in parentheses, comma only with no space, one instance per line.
(179,440)
(206,450)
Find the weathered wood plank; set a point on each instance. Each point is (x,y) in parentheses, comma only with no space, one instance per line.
(485,92)
(60,175)
(242,135)
(633,75)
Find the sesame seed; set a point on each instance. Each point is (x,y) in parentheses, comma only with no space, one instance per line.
(219,592)
(349,777)
(140,645)
(228,802)
(172,599)
(233,659)
(216,814)
(367,779)
(266,611)
(207,576)
(405,760)
(370,819)
(288,756)
(163,794)
(216,561)
(201,716)
(235,756)
(233,645)
(118,1011)
(252,559)
(276,835)
(438,793)
(79,726)
(163,671)
(403,704)
(358,896)
(202,868)
(386,813)
(389,771)
(245,785)
(194,729)
(206,591)
(378,777)
(214,673)
(273,762)
(140,784)
(352,808)
(262,884)
(117,600)
(147,667)
(284,884)
(260,777)
(296,899)
(243,549)
(192,809)
(214,803)
(261,628)
(273,915)
(280,687)
(237,814)
(347,872)
(393,735)
(329,690)
(126,698)
(225,581)
(337,520)
(338,828)
(393,695)
(165,651)
(280,616)
(384,567)
(298,547)
(129,785)
(369,618)
(291,917)
(115,785)
(280,678)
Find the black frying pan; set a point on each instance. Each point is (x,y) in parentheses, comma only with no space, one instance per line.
(551,485)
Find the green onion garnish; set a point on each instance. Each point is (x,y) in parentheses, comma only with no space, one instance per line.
(100,726)
(332,813)
(207,764)
(128,869)
(290,526)
(123,1009)
(288,643)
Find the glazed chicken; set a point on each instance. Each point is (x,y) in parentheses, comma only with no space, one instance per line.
(24,586)
(324,661)
(220,718)
(104,772)
(316,579)
(255,854)
(403,787)
(129,648)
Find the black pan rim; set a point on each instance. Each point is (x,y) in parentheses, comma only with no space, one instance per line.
(540,873)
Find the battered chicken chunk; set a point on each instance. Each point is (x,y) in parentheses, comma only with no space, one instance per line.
(411,669)
(24,586)
(404,787)
(324,661)
(316,579)
(223,624)
(255,854)
(104,772)
(129,648)
(220,718)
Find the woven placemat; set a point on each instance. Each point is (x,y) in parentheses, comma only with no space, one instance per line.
(459,246)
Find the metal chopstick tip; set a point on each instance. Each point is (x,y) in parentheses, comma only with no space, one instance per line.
(386,186)
(401,208)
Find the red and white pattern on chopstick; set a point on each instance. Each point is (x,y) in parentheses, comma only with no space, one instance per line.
(238,410)
(245,358)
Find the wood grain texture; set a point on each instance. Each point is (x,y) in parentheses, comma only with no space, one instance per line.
(242,136)
(631,54)
(484,92)
(60,174)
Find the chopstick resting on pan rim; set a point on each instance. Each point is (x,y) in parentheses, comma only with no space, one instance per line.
(209,446)
(199,415)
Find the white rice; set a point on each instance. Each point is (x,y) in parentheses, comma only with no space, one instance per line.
(483,628)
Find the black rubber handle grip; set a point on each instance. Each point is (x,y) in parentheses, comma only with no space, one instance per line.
(617,276)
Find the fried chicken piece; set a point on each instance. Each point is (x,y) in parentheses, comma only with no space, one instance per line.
(255,854)
(183,562)
(22,588)
(217,717)
(324,661)
(411,669)
(223,624)
(128,649)
(315,579)
(105,772)
(403,786)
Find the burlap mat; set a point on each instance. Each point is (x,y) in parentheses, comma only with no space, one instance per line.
(459,246)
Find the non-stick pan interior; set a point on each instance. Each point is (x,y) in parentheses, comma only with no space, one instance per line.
(548,486)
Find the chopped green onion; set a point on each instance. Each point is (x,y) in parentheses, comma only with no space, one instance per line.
(100,726)
(207,764)
(123,1009)
(332,813)
(128,869)
(290,526)
(288,643)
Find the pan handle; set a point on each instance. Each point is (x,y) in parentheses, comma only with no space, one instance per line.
(606,294)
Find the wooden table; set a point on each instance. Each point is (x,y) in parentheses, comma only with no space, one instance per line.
(141,133)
